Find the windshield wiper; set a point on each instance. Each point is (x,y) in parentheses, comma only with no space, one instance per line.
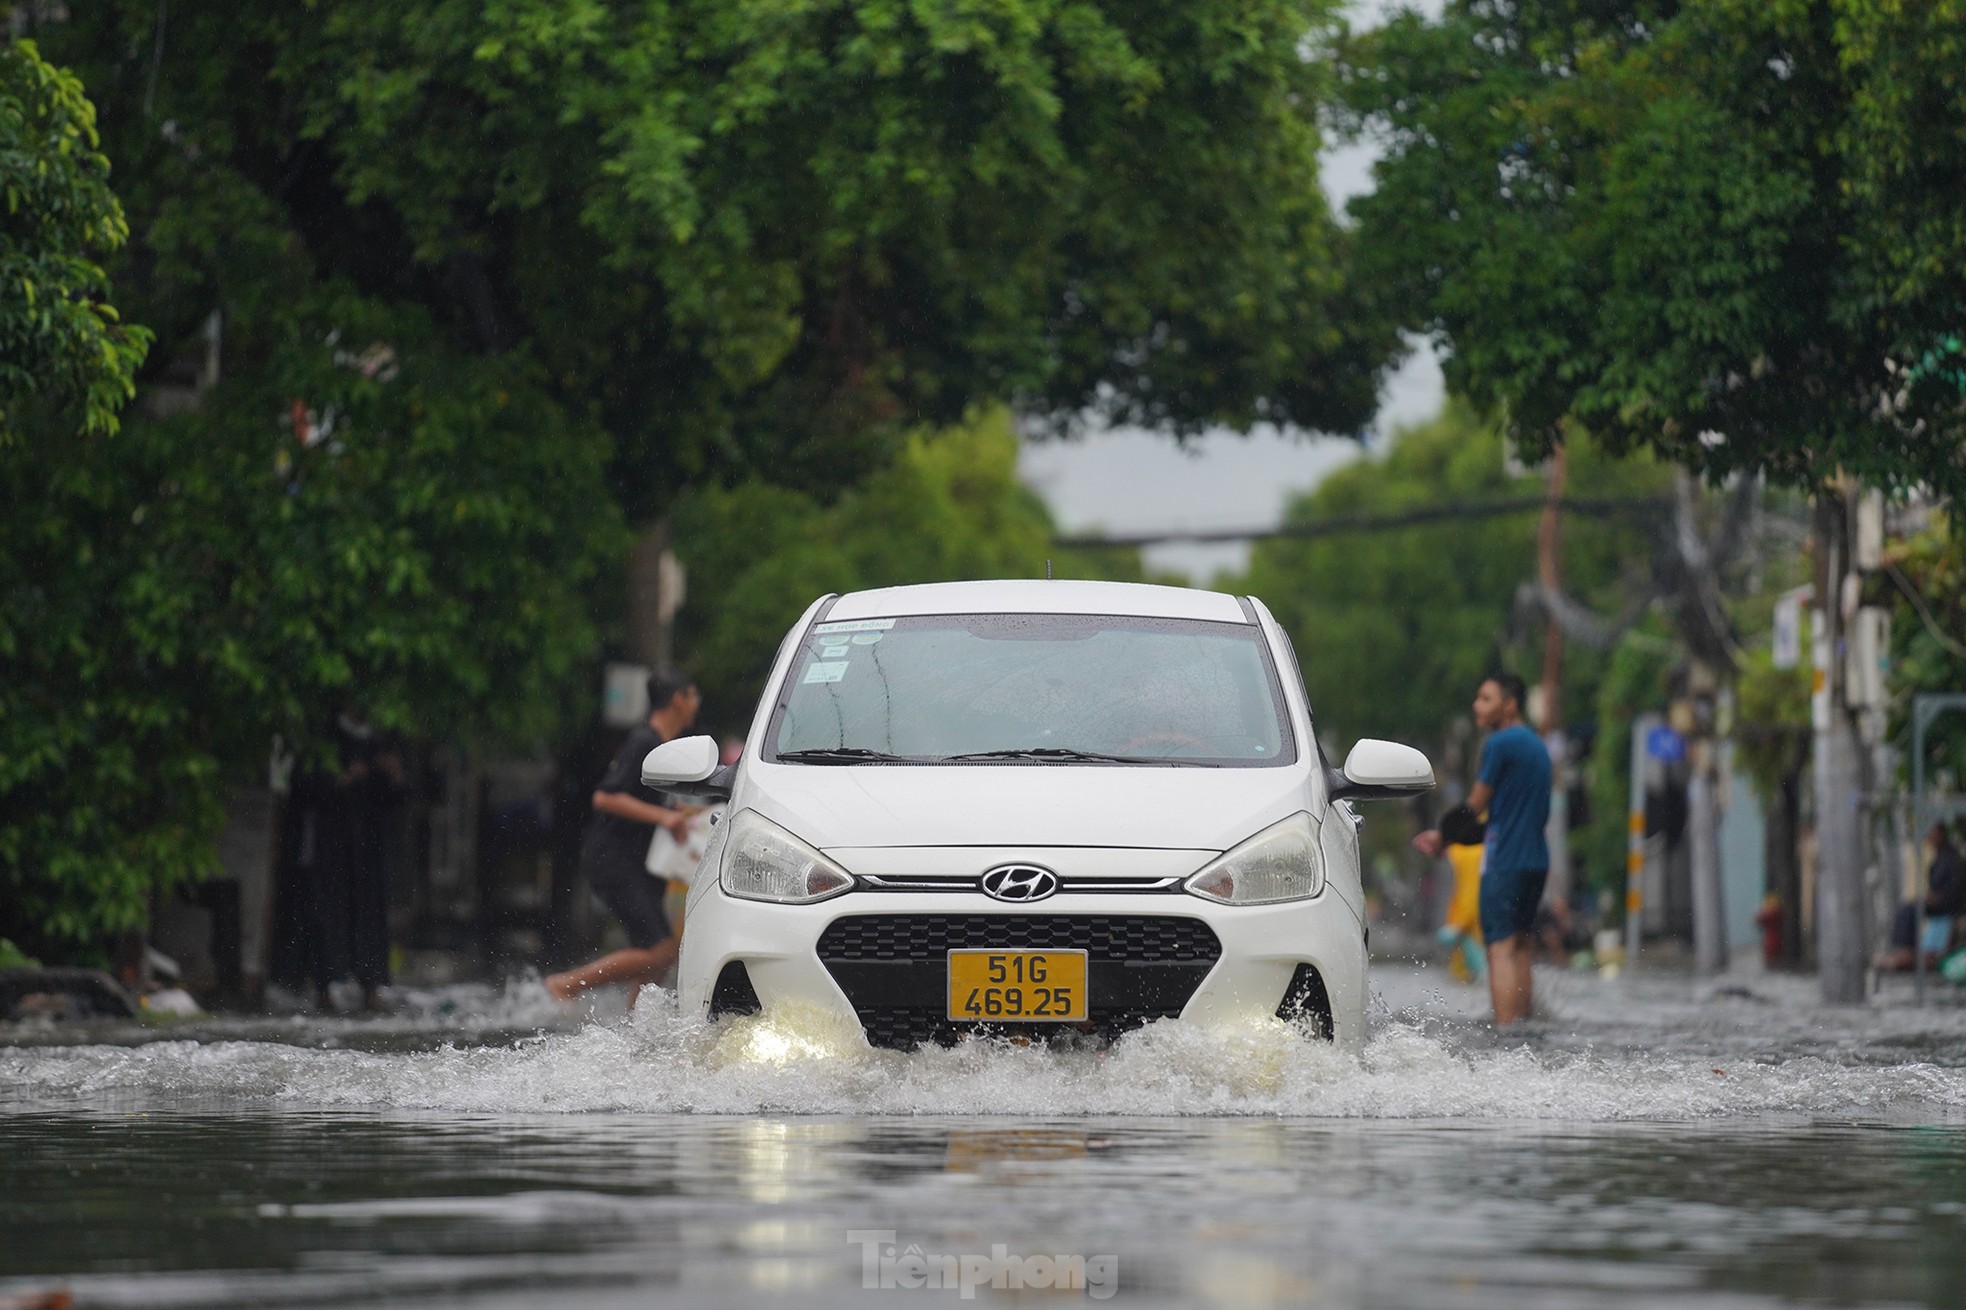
(837,755)
(1065,755)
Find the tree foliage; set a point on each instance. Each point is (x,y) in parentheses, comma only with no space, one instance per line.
(446,290)
(1771,720)
(64,358)
(949,507)
(61,340)
(1715,228)
(357,512)
(1394,630)
(1906,65)
(183,591)
(757,236)
(1634,680)
(1928,642)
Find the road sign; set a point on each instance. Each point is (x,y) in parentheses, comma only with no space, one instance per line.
(1665,745)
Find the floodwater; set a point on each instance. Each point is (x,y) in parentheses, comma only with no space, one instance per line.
(1652,1142)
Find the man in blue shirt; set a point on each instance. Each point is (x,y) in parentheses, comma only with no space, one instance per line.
(1514,788)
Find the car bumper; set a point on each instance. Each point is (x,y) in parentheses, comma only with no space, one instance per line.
(1152,955)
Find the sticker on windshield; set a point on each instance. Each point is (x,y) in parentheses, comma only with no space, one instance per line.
(857,625)
(825,671)
(867,638)
(829,651)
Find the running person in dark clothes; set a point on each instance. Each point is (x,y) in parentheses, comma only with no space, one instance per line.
(1514,788)
(614,852)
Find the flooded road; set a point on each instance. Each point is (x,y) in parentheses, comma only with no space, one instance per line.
(1650,1143)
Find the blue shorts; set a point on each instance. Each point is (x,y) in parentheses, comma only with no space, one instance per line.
(1938,934)
(1508,901)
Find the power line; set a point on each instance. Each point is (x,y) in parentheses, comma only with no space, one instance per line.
(1924,614)
(1338,524)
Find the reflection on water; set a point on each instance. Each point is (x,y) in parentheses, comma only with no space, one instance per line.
(1638,1150)
(972,1150)
(258,1206)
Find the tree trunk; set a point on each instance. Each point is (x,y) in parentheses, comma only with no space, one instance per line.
(1840,937)
(1703,850)
(648,627)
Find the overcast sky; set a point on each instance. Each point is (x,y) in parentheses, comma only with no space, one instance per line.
(1129,480)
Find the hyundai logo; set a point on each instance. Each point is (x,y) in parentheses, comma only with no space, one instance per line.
(1019,882)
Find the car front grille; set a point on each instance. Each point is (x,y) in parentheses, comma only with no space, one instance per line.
(1068,884)
(1142,937)
(894,968)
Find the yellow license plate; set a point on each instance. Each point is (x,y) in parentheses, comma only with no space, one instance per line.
(1017,986)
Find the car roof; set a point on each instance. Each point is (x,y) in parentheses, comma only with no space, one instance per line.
(1040,596)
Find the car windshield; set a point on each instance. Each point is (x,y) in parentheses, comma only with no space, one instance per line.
(1032,688)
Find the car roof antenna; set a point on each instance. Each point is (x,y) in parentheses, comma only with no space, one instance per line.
(1047,570)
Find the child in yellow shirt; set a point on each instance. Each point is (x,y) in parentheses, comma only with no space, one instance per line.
(1462,931)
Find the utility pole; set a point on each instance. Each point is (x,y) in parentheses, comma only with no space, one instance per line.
(1838,761)
(1549,574)
(1703,834)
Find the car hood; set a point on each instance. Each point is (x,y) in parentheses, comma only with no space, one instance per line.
(1024,804)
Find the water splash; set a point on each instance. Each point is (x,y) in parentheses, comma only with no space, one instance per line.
(1415,1066)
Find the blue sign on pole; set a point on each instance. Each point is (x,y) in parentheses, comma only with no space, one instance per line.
(1665,745)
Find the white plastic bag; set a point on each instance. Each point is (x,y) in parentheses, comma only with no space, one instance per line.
(677,861)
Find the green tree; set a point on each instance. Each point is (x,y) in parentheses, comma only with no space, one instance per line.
(172,596)
(1906,65)
(62,343)
(949,507)
(1928,640)
(1395,629)
(1715,229)
(1771,721)
(65,361)
(1635,680)
(1659,220)
(444,291)
(756,236)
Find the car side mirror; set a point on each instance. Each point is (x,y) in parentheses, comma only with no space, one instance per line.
(1381,770)
(689,765)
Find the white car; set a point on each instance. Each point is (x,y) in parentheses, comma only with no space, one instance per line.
(1033,807)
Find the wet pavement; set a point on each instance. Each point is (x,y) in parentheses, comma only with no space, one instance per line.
(1652,1142)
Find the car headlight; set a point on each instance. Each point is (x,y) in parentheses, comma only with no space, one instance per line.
(763,862)
(1280,863)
